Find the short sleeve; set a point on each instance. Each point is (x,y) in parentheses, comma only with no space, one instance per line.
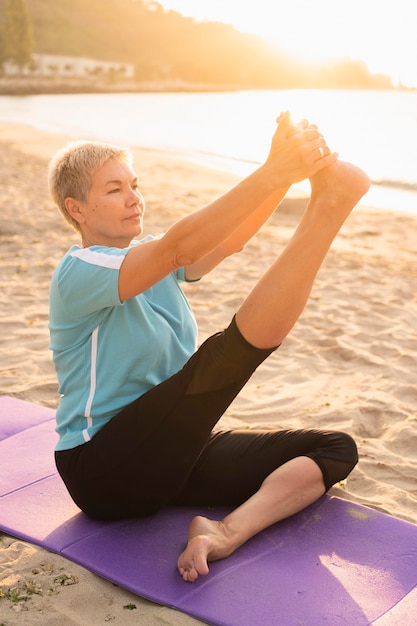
(88,280)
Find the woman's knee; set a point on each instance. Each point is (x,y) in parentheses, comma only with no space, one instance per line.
(224,360)
(337,457)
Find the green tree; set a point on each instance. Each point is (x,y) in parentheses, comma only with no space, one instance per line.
(18,33)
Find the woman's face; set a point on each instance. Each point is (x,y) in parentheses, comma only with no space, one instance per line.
(113,213)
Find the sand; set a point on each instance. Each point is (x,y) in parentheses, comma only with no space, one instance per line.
(349,364)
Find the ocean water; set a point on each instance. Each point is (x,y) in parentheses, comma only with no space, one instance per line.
(377,130)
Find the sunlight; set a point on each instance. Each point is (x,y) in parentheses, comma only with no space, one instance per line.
(360,581)
(380,33)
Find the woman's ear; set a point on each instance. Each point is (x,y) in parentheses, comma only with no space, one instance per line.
(74,209)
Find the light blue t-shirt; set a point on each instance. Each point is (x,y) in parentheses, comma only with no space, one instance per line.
(107,353)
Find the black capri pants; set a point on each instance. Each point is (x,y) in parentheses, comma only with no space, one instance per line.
(160,449)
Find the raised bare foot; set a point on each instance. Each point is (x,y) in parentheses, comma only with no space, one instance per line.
(339,187)
(207,541)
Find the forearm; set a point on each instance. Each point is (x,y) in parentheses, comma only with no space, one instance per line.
(194,242)
(238,239)
(249,227)
(229,222)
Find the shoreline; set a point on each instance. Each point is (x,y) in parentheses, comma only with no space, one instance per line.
(349,364)
(29,86)
(47,86)
(381,196)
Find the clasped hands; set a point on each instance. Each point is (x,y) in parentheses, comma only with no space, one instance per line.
(298,151)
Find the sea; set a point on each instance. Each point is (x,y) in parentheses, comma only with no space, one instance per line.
(231,131)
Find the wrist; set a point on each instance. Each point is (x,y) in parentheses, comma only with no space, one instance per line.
(270,180)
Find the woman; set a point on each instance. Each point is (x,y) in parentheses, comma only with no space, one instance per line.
(138,401)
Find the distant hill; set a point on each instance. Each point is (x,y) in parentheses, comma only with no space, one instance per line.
(166,46)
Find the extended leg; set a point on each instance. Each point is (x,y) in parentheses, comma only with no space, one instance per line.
(277,301)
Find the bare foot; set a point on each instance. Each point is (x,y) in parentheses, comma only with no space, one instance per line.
(339,186)
(207,541)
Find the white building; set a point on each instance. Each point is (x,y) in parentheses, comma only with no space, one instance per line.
(53,65)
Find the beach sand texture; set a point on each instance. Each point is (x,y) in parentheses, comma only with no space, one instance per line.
(349,364)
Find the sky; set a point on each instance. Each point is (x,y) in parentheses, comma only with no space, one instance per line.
(382,33)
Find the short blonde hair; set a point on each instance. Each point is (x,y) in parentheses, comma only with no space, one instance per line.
(72,167)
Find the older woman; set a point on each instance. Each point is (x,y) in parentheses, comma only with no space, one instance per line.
(138,401)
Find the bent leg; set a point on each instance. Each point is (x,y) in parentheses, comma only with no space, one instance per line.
(276,473)
(234,464)
(289,489)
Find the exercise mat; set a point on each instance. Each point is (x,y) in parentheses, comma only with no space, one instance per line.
(334,563)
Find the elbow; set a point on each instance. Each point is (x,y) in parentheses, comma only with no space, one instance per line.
(183,256)
(182,249)
(230,251)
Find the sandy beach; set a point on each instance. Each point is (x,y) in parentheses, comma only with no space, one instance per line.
(349,364)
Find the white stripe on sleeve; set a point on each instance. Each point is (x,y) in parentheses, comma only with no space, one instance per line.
(102,259)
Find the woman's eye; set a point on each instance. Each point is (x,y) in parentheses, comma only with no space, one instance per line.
(115,190)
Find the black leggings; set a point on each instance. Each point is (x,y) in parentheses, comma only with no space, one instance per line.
(160,450)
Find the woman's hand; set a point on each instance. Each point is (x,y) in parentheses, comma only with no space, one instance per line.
(297,152)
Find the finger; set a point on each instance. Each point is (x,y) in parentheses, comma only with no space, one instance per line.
(279,117)
(321,152)
(330,158)
(326,160)
(292,130)
(312,134)
(317,143)
(325,151)
(303,124)
(284,121)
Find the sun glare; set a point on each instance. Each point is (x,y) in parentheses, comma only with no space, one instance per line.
(378,32)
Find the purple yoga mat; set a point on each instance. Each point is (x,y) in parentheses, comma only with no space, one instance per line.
(335,563)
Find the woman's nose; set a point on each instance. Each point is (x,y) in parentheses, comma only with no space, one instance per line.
(135,196)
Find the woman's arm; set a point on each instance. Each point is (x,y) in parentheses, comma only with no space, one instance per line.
(194,237)
(238,239)
(245,231)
